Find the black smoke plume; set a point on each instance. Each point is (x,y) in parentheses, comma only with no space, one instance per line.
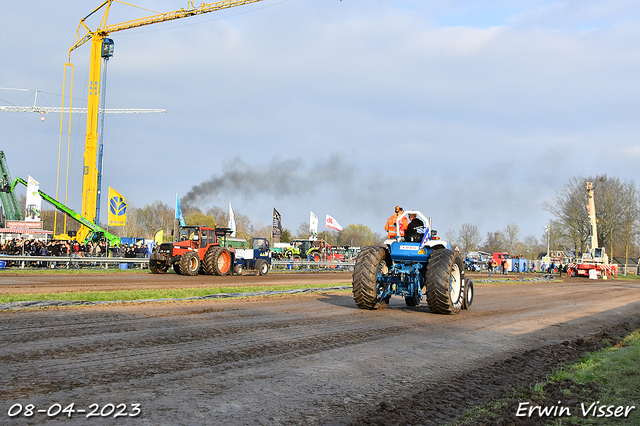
(279,178)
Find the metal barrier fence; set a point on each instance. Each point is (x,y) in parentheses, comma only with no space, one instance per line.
(69,261)
(73,261)
(305,264)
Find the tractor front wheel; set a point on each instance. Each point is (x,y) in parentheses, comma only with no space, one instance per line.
(158,267)
(261,266)
(370,264)
(190,263)
(444,282)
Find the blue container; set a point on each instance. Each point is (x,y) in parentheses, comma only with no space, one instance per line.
(3,264)
(124,266)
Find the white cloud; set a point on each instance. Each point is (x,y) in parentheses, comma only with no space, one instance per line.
(472,111)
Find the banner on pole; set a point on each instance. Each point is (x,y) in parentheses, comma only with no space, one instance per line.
(277,224)
(179,212)
(232,221)
(117,209)
(332,223)
(34,201)
(313,226)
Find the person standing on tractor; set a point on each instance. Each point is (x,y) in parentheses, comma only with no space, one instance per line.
(390,227)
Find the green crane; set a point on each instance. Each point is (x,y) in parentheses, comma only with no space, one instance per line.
(11,208)
(96,231)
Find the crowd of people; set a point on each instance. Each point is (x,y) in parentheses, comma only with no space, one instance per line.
(28,247)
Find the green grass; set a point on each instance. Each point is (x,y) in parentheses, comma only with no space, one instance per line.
(614,372)
(96,296)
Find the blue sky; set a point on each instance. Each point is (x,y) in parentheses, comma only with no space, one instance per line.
(472,112)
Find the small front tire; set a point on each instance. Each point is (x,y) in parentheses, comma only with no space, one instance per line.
(468,294)
(261,266)
(190,263)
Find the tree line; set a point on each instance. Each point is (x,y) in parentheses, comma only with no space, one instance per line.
(617,208)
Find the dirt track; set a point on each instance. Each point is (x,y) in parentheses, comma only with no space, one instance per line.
(304,359)
(37,283)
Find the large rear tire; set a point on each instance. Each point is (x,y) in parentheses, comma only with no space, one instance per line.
(190,263)
(158,267)
(209,260)
(370,263)
(444,282)
(176,268)
(222,262)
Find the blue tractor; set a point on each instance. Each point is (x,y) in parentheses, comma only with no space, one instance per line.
(418,266)
(257,258)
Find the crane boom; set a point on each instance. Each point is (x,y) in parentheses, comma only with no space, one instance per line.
(46,110)
(90,191)
(105,29)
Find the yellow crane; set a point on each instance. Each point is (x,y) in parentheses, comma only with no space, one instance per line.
(97,36)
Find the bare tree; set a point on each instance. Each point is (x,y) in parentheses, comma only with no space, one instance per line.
(303,230)
(452,237)
(569,207)
(511,234)
(630,205)
(531,247)
(495,242)
(469,237)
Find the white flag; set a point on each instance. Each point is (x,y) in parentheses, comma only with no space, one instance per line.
(313,226)
(332,223)
(232,221)
(34,201)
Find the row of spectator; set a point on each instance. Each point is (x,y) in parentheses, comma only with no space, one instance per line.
(26,247)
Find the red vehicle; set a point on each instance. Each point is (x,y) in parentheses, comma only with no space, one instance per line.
(498,258)
(197,248)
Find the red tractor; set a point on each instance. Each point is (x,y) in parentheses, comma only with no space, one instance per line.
(198,250)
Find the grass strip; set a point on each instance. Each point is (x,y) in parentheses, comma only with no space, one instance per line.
(589,391)
(99,296)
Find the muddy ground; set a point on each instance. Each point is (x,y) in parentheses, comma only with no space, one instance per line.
(302,359)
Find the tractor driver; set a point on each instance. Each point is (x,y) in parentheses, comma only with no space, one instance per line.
(390,227)
(415,230)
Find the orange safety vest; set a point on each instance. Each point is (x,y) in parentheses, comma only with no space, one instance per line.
(390,227)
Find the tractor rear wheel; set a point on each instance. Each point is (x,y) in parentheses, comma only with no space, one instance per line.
(210,260)
(468,294)
(220,261)
(444,282)
(190,263)
(176,268)
(158,267)
(261,266)
(370,263)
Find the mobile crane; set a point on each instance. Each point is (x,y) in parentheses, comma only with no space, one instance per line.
(11,208)
(13,212)
(99,42)
(596,258)
(95,231)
